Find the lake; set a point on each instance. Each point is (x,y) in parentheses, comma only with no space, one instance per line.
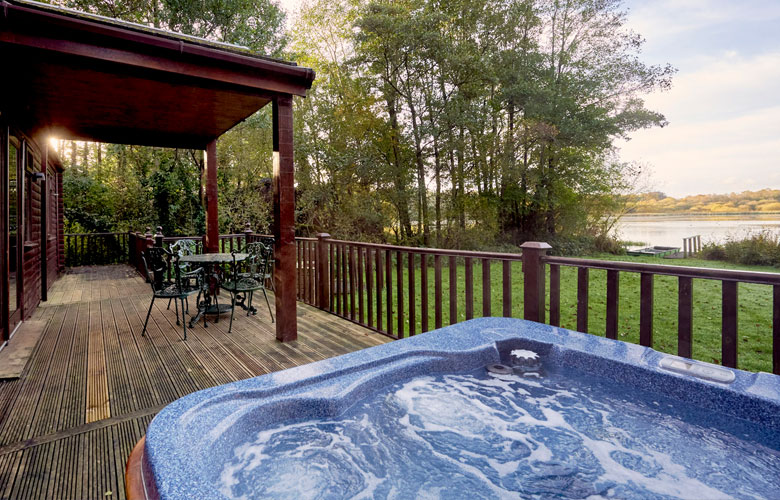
(669,230)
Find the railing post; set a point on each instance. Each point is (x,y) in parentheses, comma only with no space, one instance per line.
(130,243)
(321,263)
(148,239)
(158,238)
(534,278)
(247,233)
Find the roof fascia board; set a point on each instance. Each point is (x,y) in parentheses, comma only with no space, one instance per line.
(26,26)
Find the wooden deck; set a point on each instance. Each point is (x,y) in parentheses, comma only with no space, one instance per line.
(93,383)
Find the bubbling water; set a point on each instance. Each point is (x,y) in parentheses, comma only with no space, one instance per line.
(503,436)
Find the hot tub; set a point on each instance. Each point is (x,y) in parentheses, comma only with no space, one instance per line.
(559,414)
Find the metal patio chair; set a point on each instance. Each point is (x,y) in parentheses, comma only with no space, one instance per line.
(247,277)
(164,274)
(182,248)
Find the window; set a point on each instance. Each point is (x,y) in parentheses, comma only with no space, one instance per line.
(29,170)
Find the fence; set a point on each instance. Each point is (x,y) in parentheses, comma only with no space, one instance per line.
(96,249)
(536,260)
(402,291)
(691,245)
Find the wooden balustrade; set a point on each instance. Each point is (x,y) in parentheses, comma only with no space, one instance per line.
(390,289)
(729,279)
(96,249)
(402,291)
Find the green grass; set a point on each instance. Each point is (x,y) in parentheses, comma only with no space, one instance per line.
(755,306)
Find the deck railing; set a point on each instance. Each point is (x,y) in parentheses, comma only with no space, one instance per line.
(96,249)
(535,274)
(402,291)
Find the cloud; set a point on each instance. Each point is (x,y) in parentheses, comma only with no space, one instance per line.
(721,86)
(724,132)
(661,19)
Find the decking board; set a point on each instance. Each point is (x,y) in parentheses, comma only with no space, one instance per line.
(94,383)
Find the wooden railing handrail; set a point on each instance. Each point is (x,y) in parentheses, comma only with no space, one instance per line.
(430,251)
(176,238)
(96,234)
(756,277)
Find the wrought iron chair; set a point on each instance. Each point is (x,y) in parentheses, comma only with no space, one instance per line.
(257,250)
(243,283)
(182,248)
(165,276)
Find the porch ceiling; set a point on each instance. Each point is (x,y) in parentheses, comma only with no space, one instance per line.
(94,79)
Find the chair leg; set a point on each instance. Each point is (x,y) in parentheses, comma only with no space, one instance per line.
(143,333)
(251,295)
(269,305)
(176,304)
(216,306)
(183,318)
(232,310)
(169,305)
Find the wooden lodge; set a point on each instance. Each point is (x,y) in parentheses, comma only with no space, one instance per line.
(76,76)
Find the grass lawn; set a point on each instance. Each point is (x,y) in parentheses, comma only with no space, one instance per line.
(755,306)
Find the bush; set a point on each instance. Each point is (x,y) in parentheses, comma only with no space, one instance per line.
(713,251)
(759,249)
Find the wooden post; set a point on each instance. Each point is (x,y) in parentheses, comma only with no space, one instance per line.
(534,278)
(284,220)
(212,214)
(247,234)
(321,263)
(158,238)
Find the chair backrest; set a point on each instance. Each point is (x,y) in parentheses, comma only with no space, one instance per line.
(181,248)
(157,264)
(260,256)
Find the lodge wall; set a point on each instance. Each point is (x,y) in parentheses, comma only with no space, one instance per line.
(41,233)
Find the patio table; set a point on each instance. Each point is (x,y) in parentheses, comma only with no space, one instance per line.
(208,261)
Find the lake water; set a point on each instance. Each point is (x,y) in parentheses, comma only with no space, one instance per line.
(669,230)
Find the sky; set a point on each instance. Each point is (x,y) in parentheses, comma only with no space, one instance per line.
(724,105)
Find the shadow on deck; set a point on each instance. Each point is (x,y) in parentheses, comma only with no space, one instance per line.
(93,383)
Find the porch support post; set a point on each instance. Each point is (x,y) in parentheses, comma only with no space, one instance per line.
(212,214)
(284,220)
(533,280)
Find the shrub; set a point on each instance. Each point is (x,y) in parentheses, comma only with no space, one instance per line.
(758,249)
(713,251)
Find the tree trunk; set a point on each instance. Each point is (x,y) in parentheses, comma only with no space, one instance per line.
(402,203)
(461,205)
(422,193)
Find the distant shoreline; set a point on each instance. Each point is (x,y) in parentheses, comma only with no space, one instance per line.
(697,214)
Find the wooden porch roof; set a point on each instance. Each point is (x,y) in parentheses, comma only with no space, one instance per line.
(84,77)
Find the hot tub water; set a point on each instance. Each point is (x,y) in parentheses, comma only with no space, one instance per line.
(481,435)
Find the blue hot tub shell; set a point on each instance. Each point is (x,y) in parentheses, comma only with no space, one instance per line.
(188,440)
